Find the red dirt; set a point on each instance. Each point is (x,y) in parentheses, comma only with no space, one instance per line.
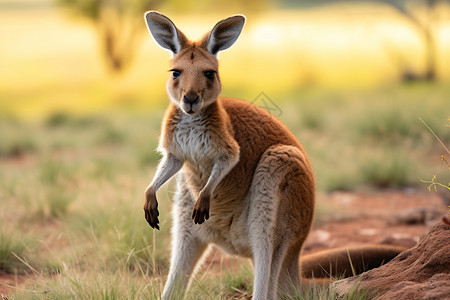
(388,217)
(9,282)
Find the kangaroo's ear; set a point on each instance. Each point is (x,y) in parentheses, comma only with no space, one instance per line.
(224,34)
(165,33)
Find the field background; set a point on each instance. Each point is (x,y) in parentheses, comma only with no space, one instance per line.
(77,141)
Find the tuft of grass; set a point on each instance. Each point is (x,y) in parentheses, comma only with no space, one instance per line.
(121,234)
(312,292)
(73,283)
(17,147)
(148,155)
(388,170)
(323,291)
(58,119)
(12,246)
(15,140)
(58,193)
(111,136)
(388,125)
(231,284)
(65,119)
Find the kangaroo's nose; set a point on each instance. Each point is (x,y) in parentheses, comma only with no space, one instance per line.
(191,98)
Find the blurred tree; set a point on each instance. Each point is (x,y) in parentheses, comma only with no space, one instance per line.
(120,22)
(424,14)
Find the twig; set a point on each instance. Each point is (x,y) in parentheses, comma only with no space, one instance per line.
(439,140)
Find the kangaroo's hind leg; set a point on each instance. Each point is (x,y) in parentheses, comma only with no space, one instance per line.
(289,280)
(187,248)
(296,211)
(272,221)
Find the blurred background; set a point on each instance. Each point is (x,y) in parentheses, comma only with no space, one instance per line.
(85,56)
(82,95)
(350,78)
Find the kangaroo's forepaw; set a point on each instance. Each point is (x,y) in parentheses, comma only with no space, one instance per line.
(151,210)
(200,212)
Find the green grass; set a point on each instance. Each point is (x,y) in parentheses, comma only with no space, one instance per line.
(72,186)
(234,283)
(12,247)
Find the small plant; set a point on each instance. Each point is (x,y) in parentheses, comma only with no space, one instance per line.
(434,183)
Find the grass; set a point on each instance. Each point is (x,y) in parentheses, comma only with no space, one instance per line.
(58,194)
(371,138)
(75,283)
(235,283)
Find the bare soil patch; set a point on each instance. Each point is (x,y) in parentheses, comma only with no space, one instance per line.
(396,217)
(8,282)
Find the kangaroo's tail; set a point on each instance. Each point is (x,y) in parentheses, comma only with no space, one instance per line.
(347,261)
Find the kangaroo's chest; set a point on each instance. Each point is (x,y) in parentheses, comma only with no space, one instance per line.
(194,143)
(193,140)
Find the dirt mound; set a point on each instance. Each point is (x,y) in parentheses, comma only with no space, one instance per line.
(421,272)
(437,287)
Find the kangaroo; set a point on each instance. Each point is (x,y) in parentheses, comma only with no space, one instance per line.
(244,182)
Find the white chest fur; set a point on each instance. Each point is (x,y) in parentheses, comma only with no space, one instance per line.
(193,141)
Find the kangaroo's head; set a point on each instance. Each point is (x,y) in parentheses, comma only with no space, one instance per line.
(194,81)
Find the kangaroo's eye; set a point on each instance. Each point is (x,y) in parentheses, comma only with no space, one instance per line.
(210,74)
(175,73)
